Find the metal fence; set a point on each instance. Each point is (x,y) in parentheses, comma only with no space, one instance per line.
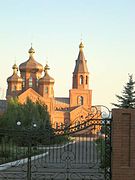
(79,152)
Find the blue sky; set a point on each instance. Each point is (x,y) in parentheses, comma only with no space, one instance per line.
(55,26)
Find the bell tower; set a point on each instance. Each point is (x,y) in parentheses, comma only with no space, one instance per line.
(80,93)
(81,74)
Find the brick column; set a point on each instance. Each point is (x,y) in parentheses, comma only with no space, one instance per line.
(123,144)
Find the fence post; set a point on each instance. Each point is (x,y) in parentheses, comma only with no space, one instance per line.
(123,144)
(29,160)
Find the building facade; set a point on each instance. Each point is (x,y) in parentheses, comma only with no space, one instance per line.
(31,84)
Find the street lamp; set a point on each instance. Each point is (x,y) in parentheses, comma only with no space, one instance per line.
(18,123)
(34,125)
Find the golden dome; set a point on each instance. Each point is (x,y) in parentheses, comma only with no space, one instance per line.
(14,77)
(31,63)
(81,46)
(15,69)
(47,78)
(31,51)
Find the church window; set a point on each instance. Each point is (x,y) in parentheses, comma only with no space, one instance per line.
(37,81)
(52,90)
(46,89)
(23,82)
(30,82)
(14,88)
(86,79)
(81,79)
(80,100)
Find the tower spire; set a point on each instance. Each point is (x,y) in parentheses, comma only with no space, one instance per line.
(31,51)
(81,63)
(80,74)
(15,69)
(46,68)
(80,94)
(81,46)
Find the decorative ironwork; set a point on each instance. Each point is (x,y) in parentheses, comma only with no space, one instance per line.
(74,152)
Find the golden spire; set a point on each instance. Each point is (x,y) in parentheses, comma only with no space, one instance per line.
(31,51)
(81,46)
(46,68)
(15,69)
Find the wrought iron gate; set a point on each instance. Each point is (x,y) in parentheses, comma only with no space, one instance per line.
(77,152)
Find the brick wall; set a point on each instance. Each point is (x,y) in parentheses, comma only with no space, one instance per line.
(123,144)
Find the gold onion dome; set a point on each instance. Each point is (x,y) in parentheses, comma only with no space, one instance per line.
(14,77)
(46,78)
(31,50)
(15,67)
(31,63)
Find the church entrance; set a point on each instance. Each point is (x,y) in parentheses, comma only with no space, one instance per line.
(75,152)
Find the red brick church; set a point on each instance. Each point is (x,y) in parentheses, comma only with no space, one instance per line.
(30,83)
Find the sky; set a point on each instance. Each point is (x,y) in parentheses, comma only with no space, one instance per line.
(55,29)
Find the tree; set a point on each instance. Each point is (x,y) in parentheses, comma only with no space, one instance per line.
(34,120)
(10,117)
(28,114)
(127,100)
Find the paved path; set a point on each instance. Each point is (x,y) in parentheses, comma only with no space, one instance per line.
(75,161)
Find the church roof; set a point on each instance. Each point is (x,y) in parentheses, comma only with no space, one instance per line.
(46,77)
(62,100)
(81,63)
(62,104)
(14,77)
(31,63)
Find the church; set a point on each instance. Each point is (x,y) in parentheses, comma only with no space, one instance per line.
(32,83)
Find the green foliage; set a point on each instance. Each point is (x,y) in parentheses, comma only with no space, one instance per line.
(28,114)
(10,117)
(60,139)
(127,100)
(101,150)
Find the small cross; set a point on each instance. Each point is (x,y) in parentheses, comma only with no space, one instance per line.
(81,37)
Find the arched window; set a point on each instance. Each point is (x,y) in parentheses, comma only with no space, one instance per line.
(80,100)
(30,82)
(23,82)
(52,90)
(14,88)
(86,79)
(81,79)
(46,90)
(37,82)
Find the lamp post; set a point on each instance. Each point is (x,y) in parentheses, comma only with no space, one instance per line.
(29,143)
